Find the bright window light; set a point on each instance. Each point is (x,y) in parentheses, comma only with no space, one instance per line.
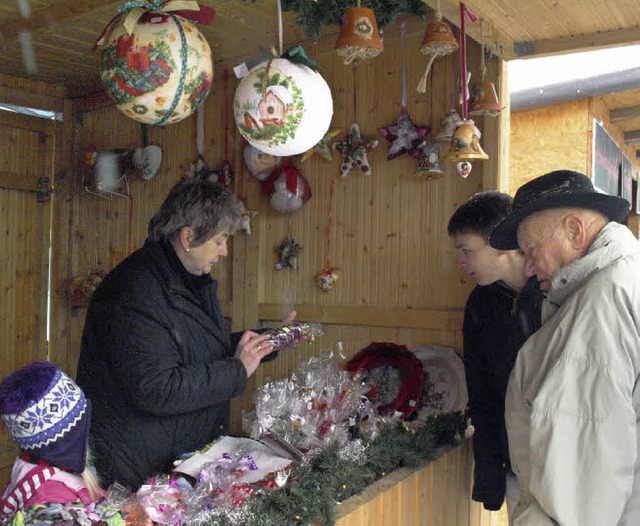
(32,112)
(531,73)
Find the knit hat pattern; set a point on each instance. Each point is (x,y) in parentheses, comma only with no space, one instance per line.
(50,417)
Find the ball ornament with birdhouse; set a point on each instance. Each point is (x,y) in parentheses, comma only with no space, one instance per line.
(156,65)
(282,107)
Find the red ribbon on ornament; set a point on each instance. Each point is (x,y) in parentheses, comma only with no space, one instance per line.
(291,172)
(130,15)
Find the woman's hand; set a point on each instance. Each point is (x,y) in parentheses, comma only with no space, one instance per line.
(252,348)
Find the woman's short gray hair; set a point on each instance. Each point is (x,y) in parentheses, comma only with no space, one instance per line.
(206,207)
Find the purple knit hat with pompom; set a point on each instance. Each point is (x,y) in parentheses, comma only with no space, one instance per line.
(47,415)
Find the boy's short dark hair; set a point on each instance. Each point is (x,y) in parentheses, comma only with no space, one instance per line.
(480,214)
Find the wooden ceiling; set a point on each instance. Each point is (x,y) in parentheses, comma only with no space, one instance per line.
(62,33)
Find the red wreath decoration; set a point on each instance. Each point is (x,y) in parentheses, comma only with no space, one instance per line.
(408,365)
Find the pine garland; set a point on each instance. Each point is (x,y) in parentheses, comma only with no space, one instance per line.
(313,16)
(334,474)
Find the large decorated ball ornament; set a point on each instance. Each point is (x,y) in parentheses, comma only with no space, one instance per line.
(283,108)
(161,72)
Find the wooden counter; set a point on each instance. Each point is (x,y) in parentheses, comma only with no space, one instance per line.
(436,494)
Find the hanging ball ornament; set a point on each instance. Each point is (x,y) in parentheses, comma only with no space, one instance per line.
(260,164)
(287,188)
(326,279)
(463,168)
(283,108)
(158,69)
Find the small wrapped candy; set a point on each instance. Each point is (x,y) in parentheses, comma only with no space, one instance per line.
(290,335)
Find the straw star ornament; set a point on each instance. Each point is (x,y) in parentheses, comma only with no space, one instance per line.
(354,148)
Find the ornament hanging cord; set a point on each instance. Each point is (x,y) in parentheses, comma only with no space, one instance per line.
(404,67)
(280,26)
(329,223)
(464,12)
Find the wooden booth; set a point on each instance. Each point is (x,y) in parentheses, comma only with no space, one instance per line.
(384,232)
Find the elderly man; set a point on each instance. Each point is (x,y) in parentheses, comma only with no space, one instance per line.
(573,399)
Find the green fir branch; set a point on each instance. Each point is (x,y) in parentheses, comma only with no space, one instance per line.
(318,483)
(314,16)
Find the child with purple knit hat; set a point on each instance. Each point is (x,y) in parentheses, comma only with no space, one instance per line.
(48,416)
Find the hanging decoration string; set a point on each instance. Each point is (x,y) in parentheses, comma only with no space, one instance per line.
(404,65)
(330,222)
(280,26)
(200,129)
(464,13)
(483,68)
(225,82)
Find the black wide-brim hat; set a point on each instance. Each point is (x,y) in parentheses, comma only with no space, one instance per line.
(562,188)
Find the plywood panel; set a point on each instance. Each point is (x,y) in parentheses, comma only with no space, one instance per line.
(550,138)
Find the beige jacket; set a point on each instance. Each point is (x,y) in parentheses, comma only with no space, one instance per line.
(573,400)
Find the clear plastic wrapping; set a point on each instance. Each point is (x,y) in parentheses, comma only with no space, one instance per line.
(291,335)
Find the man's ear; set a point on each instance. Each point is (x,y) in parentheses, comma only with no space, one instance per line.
(575,231)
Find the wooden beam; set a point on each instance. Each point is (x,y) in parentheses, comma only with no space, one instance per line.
(632,137)
(575,43)
(624,114)
(57,14)
(495,38)
(375,317)
(14,181)
(38,100)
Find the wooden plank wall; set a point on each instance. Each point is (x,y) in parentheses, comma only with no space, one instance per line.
(398,278)
(27,152)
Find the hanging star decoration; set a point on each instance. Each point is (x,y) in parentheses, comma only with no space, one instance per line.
(199,169)
(354,148)
(288,251)
(323,148)
(404,136)
(225,174)
(247,217)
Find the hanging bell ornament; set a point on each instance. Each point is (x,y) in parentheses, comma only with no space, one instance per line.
(359,36)
(484,100)
(448,125)
(429,161)
(438,41)
(464,168)
(465,144)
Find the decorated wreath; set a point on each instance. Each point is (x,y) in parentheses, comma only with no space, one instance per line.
(394,375)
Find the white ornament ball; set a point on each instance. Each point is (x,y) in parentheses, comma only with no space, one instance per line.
(284,201)
(260,164)
(160,73)
(288,112)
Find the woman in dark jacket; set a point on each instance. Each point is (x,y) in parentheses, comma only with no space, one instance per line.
(157,360)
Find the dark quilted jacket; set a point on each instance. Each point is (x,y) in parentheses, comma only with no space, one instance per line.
(497,321)
(157,364)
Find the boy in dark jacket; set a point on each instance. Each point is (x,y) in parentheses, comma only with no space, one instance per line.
(502,311)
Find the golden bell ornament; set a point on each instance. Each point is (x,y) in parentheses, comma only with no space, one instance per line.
(484,100)
(359,36)
(465,144)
